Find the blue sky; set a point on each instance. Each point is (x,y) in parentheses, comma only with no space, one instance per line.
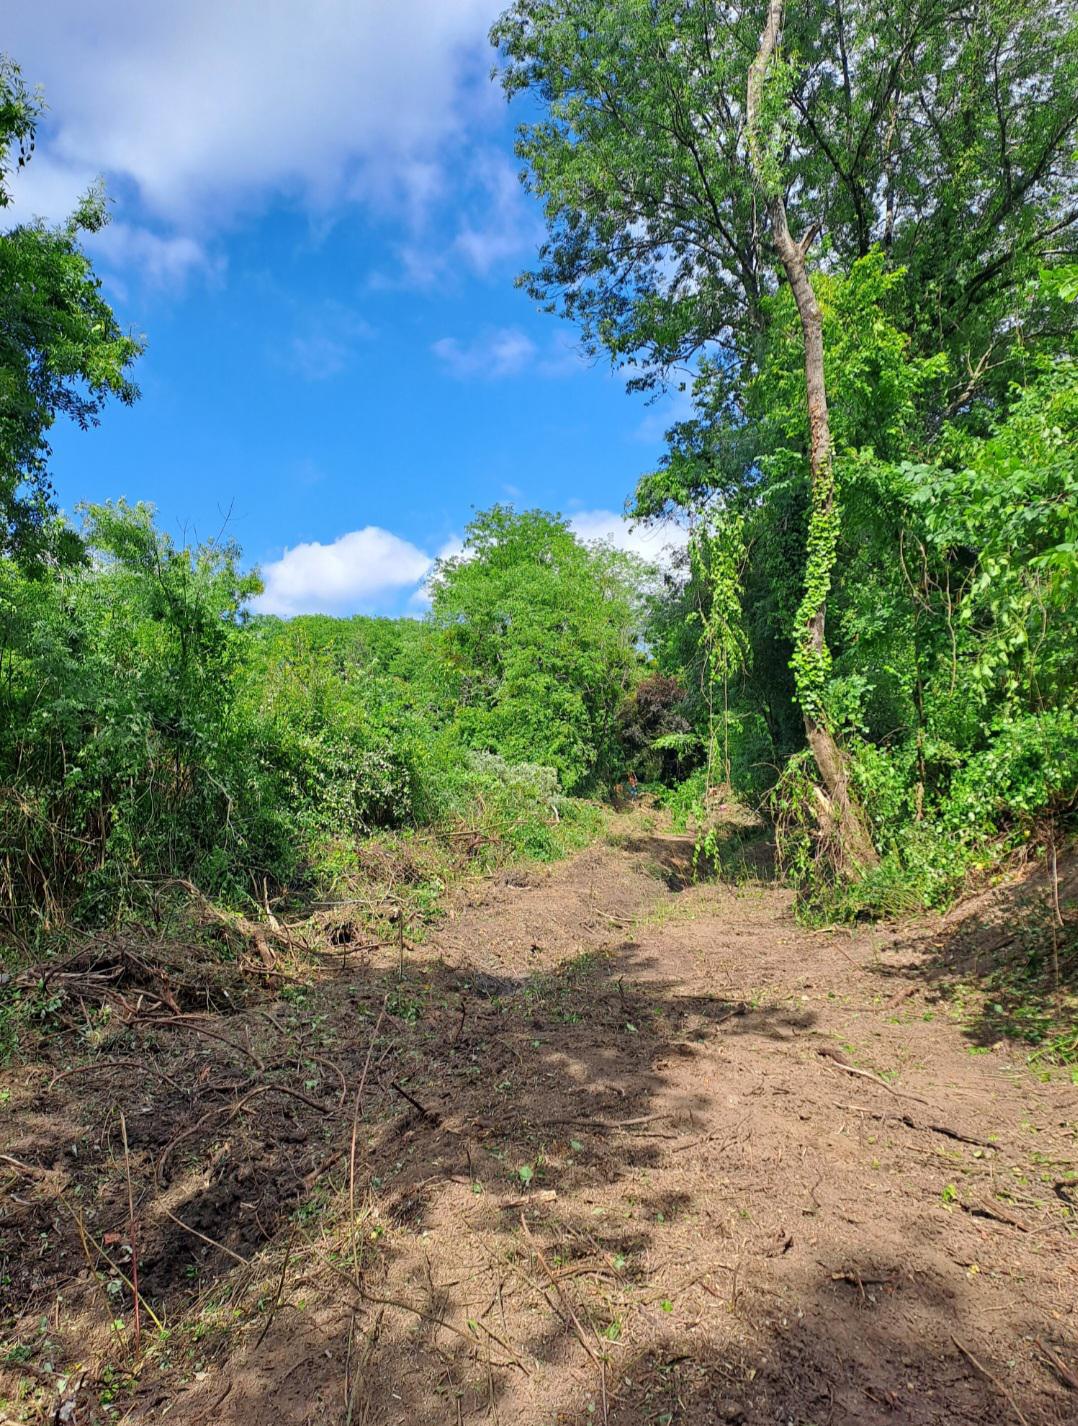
(317,223)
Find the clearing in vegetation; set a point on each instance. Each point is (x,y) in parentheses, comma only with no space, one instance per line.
(612,1145)
(348,1074)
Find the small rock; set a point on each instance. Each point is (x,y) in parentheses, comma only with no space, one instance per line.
(731,1411)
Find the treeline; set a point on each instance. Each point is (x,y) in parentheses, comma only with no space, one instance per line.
(850,232)
(155,732)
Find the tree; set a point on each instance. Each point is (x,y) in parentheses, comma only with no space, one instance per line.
(62,352)
(812,659)
(539,638)
(665,127)
(943,133)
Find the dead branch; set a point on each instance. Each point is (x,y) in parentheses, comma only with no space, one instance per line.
(428,1114)
(989,1377)
(1066,1376)
(193,1022)
(356,1113)
(140,1065)
(556,1285)
(27,1170)
(840,1061)
(212,1242)
(280,1288)
(910,1123)
(132,1231)
(983,1209)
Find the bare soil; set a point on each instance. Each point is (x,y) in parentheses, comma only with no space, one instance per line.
(617,1148)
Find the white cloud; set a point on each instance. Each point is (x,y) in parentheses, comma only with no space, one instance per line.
(422,597)
(510,225)
(495,224)
(47,188)
(50,190)
(328,337)
(204,111)
(653,543)
(373,569)
(497,352)
(204,106)
(165,261)
(360,568)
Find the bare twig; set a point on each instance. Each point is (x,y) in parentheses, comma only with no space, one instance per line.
(280,1288)
(356,1112)
(89,1242)
(911,1123)
(132,1231)
(475,1322)
(839,1061)
(190,1022)
(427,1114)
(565,1300)
(140,1065)
(1066,1376)
(983,1209)
(212,1242)
(27,1170)
(989,1377)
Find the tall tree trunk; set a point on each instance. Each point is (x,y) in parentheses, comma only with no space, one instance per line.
(811,659)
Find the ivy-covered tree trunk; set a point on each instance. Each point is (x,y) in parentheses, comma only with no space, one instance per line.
(840,810)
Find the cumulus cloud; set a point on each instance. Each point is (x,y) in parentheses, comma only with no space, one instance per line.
(165,260)
(47,188)
(373,569)
(497,352)
(654,543)
(358,570)
(202,111)
(204,105)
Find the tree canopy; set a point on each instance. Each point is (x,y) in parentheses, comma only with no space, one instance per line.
(942,133)
(540,635)
(62,351)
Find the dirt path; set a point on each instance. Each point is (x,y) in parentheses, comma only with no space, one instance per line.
(626,1149)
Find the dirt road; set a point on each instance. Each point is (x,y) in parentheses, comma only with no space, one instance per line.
(618,1148)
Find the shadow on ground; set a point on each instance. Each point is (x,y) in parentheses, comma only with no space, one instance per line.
(1006,962)
(591,1193)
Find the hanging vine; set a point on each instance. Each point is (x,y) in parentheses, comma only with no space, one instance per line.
(811,661)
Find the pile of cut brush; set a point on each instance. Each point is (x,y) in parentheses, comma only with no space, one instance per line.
(128,977)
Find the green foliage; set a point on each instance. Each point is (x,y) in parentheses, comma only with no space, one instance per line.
(152,732)
(945,139)
(716,559)
(1002,511)
(538,634)
(62,352)
(938,152)
(117,730)
(655,732)
(951,605)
